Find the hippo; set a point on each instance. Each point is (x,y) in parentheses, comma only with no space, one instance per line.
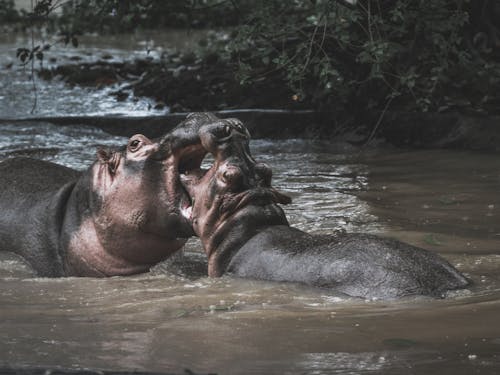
(125,213)
(244,232)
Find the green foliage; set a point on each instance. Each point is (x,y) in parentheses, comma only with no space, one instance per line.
(115,16)
(415,54)
(332,54)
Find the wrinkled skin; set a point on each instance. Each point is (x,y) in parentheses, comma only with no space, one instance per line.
(127,212)
(244,232)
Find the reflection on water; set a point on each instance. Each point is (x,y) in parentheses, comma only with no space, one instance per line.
(446,201)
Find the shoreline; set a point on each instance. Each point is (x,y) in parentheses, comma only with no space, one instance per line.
(401,129)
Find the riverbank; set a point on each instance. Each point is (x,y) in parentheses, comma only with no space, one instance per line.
(179,83)
(399,129)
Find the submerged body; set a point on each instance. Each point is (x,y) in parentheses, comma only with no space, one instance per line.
(244,232)
(355,264)
(124,214)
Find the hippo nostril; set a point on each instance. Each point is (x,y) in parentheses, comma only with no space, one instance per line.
(232,176)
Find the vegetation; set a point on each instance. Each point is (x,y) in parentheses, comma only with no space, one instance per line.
(433,55)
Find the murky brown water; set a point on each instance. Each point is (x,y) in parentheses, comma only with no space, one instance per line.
(446,201)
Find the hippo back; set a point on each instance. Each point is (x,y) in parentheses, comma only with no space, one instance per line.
(360,265)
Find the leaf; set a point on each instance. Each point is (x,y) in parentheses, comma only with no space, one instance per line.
(24,55)
(21,51)
(39,55)
(74,41)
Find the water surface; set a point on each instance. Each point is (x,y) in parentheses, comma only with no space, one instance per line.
(445,201)
(22,96)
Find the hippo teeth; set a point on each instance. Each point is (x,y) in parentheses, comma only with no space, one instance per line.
(187,212)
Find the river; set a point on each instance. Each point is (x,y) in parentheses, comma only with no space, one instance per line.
(166,321)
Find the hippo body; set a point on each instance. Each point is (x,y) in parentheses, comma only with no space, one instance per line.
(356,264)
(125,213)
(244,232)
(33,198)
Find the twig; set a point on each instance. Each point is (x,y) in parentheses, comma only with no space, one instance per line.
(206,7)
(311,42)
(33,65)
(379,121)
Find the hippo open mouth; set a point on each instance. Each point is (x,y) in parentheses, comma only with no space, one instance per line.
(232,182)
(189,164)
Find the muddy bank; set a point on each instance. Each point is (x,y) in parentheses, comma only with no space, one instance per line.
(185,83)
(262,123)
(400,129)
(437,130)
(181,82)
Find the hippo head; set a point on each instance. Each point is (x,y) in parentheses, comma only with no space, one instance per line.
(233,199)
(140,212)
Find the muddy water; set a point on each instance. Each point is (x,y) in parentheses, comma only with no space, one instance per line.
(167,320)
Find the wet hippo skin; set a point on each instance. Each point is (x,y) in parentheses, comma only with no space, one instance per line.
(245,233)
(127,212)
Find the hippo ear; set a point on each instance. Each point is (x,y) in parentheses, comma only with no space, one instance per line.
(109,158)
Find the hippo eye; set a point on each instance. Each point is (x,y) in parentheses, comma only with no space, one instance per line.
(134,145)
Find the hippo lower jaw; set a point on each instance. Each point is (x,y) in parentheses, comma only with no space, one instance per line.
(257,197)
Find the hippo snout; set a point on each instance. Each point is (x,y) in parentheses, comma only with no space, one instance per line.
(233,176)
(238,176)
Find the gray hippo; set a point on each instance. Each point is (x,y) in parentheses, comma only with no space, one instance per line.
(127,212)
(245,233)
